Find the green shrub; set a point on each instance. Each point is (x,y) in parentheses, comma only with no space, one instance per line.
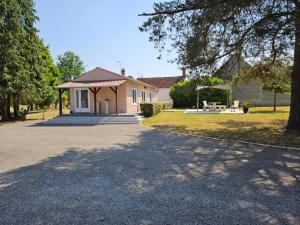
(184,95)
(167,105)
(64,99)
(150,109)
(247,105)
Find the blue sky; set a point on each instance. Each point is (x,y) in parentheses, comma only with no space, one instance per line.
(102,32)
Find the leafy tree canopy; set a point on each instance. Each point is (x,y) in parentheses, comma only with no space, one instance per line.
(43,77)
(27,72)
(70,66)
(17,43)
(208,81)
(17,33)
(205,32)
(49,77)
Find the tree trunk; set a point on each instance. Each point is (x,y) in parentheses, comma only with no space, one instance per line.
(16,108)
(4,109)
(294,118)
(275,101)
(8,107)
(43,112)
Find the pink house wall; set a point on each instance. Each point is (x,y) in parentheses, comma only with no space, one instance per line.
(107,94)
(125,103)
(134,107)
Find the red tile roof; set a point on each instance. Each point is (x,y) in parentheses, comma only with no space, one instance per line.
(102,75)
(161,82)
(99,74)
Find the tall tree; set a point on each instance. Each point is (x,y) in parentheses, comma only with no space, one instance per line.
(277,87)
(205,32)
(278,81)
(17,19)
(27,71)
(70,66)
(44,76)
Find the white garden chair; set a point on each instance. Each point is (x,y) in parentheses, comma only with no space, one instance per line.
(206,106)
(236,105)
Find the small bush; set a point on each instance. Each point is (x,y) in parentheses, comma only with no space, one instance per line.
(247,105)
(150,109)
(167,105)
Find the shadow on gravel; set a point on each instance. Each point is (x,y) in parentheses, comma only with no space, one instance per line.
(162,179)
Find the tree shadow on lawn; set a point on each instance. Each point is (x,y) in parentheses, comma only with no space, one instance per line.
(268,112)
(161,179)
(258,132)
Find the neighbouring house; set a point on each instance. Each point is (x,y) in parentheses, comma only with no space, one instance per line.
(101,91)
(164,84)
(252,91)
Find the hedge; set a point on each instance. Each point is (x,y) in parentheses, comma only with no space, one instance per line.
(150,109)
(167,105)
(153,108)
(184,95)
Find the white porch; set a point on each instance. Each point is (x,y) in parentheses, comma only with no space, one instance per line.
(84,98)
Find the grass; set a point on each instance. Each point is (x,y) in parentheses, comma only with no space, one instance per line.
(49,114)
(38,115)
(260,125)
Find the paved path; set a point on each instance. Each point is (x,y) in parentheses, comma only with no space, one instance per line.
(129,174)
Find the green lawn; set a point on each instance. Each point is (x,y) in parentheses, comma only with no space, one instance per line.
(38,115)
(261,125)
(49,114)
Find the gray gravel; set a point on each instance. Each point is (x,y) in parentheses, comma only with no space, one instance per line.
(129,174)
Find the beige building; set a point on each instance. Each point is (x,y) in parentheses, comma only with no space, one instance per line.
(101,91)
(252,91)
(164,84)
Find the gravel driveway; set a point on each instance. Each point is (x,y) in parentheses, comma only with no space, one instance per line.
(129,174)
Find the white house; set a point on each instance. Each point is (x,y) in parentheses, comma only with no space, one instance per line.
(164,84)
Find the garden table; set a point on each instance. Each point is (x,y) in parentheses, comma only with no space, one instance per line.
(214,104)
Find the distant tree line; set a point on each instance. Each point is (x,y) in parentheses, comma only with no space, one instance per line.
(28,73)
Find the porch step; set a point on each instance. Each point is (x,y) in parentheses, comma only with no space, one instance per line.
(90,120)
(99,115)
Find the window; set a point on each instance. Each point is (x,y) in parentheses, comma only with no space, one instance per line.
(133,95)
(84,99)
(143,96)
(150,96)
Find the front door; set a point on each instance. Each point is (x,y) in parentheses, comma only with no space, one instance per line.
(82,100)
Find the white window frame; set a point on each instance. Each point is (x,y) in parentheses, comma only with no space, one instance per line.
(143,96)
(150,96)
(134,98)
(80,109)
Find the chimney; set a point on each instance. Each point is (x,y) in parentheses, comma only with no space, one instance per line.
(184,72)
(123,71)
